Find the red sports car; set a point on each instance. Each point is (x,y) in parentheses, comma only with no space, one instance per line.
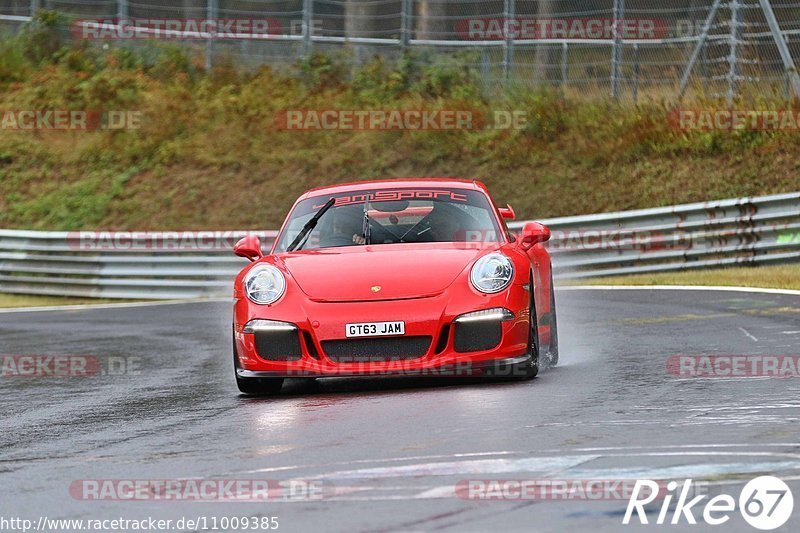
(394,277)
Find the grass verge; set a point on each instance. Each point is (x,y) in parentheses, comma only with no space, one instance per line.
(24,300)
(768,277)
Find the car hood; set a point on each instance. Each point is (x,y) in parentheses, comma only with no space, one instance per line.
(381,272)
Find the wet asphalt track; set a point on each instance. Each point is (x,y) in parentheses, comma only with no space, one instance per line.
(394,448)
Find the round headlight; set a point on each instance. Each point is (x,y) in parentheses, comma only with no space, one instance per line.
(264,284)
(492,273)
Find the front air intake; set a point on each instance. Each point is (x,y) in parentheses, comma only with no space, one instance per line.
(372,350)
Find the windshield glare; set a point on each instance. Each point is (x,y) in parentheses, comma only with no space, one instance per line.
(392,216)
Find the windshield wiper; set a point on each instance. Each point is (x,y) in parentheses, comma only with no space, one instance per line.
(311,224)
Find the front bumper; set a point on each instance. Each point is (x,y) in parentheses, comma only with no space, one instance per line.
(433,344)
(495,367)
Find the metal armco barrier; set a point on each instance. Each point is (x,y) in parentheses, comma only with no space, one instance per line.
(173,265)
(756,230)
(136,265)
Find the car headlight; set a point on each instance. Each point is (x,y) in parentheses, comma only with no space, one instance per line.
(492,273)
(264,284)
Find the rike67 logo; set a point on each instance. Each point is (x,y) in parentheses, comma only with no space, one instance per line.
(765,503)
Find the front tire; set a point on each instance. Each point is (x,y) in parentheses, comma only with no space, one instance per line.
(553,348)
(530,369)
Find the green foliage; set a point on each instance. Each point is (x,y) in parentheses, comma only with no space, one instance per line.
(209,154)
(44,37)
(414,74)
(41,40)
(14,66)
(321,71)
(448,78)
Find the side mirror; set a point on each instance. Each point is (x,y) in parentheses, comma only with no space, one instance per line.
(249,247)
(507,212)
(534,233)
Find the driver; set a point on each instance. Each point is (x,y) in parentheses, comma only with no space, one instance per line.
(444,224)
(346,227)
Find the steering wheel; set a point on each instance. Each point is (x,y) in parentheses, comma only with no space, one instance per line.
(385,229)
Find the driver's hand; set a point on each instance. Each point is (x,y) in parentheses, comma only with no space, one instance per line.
(359,239)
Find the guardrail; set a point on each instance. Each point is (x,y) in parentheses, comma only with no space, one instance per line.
(135,265)
(755,230)
(170,265)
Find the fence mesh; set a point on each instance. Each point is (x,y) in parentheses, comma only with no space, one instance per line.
(628,49)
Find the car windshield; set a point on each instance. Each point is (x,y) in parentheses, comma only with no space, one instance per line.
(391,216)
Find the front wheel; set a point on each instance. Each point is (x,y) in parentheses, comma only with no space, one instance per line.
(553,348)
(530,369)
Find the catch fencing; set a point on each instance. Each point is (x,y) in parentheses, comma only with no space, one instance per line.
(175,265)
(628,49)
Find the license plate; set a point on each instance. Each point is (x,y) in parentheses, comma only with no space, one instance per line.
(375,329)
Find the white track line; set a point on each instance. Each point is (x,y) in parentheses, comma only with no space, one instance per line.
(619,451)
(87,307)
(674,288)
(748,334)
